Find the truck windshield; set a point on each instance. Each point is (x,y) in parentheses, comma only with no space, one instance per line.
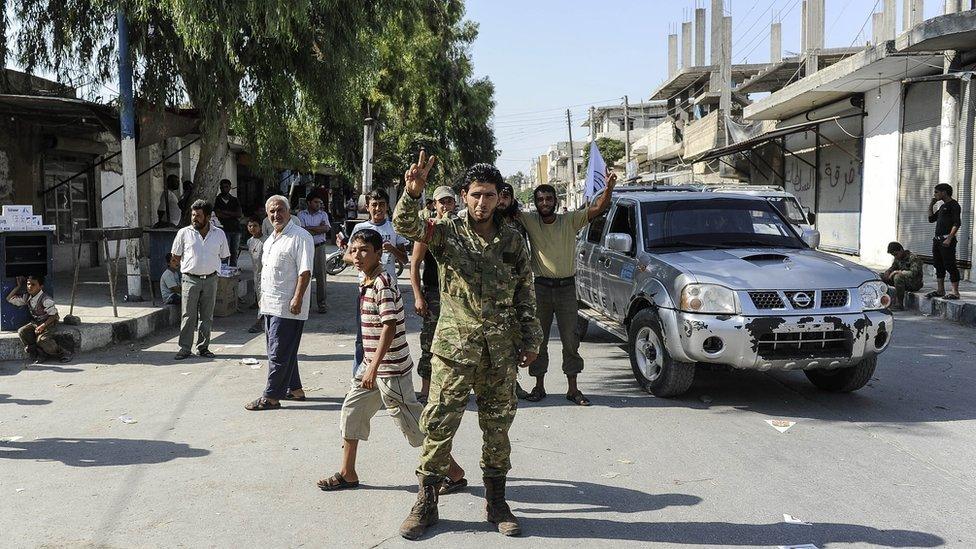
(789,207)
(717,223)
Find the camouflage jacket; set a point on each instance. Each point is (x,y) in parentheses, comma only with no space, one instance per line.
(487,289)
(912,264)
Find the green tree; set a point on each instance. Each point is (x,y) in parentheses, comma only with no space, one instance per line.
(283,72)
(516,180)
(611,150)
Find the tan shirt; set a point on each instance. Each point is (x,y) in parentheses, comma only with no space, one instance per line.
(553,244)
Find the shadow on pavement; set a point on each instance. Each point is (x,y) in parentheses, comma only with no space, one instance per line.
(5,399)
(589,497)
(99,452)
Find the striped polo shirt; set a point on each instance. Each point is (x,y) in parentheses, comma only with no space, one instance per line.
(380,302)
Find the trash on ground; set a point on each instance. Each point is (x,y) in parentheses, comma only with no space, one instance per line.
(610,474)
(249,361)
(781,425)
(626,461)
(63,385)
(10,439)
(790,519)
(127,419)
(19,489)
(184,373)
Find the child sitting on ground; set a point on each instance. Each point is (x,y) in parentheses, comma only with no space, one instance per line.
(255,247)
(37,335)
(384,378)
(170,288)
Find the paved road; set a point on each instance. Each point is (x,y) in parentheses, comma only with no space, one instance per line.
(889,466)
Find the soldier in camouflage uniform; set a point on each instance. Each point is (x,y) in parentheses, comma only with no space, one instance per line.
(487,312)
(905,273)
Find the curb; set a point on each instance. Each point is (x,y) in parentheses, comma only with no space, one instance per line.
(956,311)
(90,337)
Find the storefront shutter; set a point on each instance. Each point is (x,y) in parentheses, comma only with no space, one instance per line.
(839,186)
(919,171)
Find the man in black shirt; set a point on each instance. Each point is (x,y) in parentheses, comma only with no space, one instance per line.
(228,211)
(947,220)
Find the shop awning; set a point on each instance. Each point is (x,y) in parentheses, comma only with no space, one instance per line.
(760,140)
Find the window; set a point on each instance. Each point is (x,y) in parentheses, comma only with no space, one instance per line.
(596,229)
(69,206)
(715,223)
(624,222)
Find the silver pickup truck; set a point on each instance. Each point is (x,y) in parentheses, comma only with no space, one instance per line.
(690,278)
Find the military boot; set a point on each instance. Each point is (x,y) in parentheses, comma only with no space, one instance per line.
(497,507)
(424,511)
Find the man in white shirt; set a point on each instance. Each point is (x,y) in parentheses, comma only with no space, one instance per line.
(317,223)
(169,202)
(199,248)
(285,275)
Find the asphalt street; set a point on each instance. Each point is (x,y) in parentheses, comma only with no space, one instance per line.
(126,448)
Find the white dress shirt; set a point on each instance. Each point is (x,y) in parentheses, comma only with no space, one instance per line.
(169,202)
(285,256)
(200,255)
(317,219)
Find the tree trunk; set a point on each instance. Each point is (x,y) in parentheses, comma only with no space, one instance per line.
(213,155)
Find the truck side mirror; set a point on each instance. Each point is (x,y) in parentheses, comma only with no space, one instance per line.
(811,237)
(620,242)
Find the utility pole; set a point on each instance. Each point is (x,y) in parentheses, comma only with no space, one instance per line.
(571,188)
(626,132)
(130,195)
(592,124)
(369,129)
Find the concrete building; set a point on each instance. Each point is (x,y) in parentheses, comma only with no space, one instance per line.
(642,118)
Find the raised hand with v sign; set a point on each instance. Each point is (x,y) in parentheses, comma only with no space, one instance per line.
(416,177)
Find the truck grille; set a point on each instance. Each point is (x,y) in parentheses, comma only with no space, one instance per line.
(801,299)
(766,300)
(786,345)
(832,299)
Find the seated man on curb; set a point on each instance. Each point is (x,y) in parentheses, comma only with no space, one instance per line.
(905,274)
(37,335)
(169,283)
(385,377)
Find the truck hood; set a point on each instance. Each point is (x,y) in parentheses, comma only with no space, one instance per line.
(769,268)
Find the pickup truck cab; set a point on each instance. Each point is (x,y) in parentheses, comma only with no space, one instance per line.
(785,202)
(690,278)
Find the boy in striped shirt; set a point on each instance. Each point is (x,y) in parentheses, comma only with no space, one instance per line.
(384,378)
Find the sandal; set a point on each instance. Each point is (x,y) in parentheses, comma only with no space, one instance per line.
(951,296)
(578,398)
(536,394)
(290,396)
(934,293)
(335,482)
(450,486)
(520,393)
(262,404)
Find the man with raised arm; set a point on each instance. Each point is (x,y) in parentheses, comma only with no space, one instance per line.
(487,309)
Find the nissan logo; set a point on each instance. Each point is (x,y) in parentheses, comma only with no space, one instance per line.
(802,299)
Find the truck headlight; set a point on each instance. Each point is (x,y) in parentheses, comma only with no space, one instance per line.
(874,295)
(708,299)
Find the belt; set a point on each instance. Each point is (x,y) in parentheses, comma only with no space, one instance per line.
(200,276)
(556,282)
(321,244)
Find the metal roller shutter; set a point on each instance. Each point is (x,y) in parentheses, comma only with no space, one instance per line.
(839,187)
(919,173)
(800,174)
(965,162)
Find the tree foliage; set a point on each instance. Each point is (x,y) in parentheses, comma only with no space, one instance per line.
(611,150)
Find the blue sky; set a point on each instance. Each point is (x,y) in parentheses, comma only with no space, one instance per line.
(545,56)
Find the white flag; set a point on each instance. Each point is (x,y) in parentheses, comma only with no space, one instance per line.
(595,173)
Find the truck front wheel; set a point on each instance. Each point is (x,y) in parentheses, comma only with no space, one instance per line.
(656,372)
(844,380)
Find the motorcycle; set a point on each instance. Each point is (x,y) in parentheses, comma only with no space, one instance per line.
(335,265)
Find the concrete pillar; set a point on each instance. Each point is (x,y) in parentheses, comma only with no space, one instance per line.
(775,42)
(718,13)
(686,44)
(803,27)
(700,31)
(952,6)
(672,55)
(912,14)
(890,13)
(814,34)
(876,25)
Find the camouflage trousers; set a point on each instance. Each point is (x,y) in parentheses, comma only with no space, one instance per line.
(904,283)
(494,390)
(433,298)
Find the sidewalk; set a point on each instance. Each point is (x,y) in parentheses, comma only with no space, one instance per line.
(962,310)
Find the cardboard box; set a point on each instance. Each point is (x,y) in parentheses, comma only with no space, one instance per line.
(24,210)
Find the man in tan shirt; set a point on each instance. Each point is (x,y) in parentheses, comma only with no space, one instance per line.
(553,242)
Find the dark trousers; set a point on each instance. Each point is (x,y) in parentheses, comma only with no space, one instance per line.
(559,302)
(283,336)
(944,259)
(234,243)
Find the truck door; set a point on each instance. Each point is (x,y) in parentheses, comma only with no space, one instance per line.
(620,268)
(587,270)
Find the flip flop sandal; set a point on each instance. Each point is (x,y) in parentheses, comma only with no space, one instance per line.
(450,486)
(261,404)
(934,293)
(289,396)
(951,296)
(336,482)
(578,399)
(535,395)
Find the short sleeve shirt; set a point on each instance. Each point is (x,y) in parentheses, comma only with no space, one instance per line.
(309,219)
(200,255)
(283,258)
(39,305)
(389,234)
(381,302)
(255,247)
(169,279)
(230,224)
(948,215)
(553,244)
(170,203)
